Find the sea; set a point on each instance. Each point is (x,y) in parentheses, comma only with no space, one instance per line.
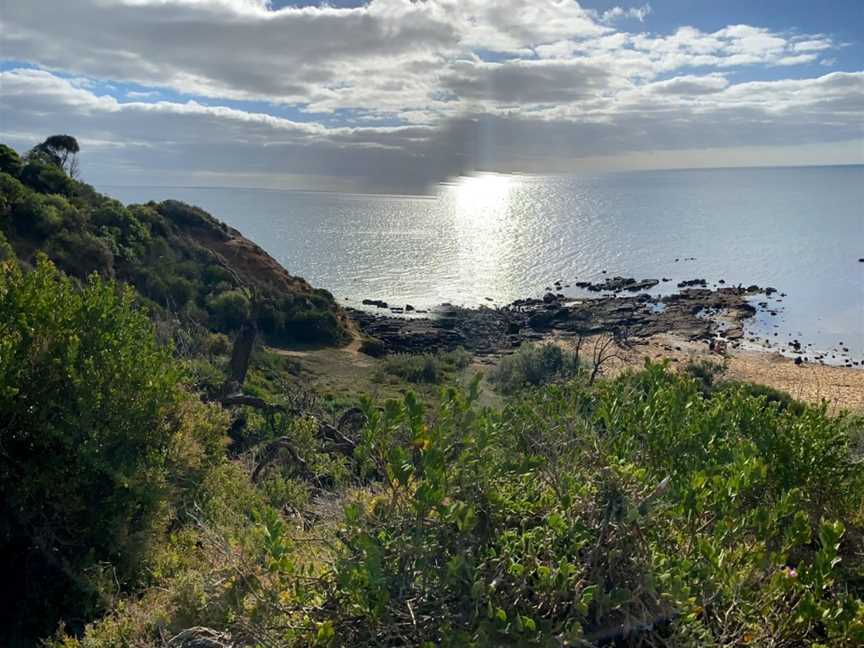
(493,238)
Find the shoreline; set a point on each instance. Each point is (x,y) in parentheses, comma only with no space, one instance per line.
(621,308)
(696,323)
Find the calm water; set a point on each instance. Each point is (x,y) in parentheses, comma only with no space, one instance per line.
(800,230)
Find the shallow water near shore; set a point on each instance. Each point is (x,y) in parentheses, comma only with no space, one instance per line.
(495,238)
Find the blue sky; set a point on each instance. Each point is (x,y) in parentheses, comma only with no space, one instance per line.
(394,94)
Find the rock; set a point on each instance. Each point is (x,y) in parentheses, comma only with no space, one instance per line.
(549,297)
(798,360)
(373,347)
(375,302)
(692,282)
(408,308)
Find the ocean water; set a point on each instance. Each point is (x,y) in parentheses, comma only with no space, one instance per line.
(496,238)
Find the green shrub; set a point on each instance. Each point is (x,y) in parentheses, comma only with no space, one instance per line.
(95,429)
(229,309)
(6,251)
(36,215)
(12,192)
(533,365)
(587,516)
(705,372)
(46,178)
(10,161)
(80,253)
(634,512)
(426,367)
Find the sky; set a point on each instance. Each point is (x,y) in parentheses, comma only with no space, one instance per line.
(396,95)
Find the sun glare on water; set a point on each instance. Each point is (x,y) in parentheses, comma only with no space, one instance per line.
(483,224)
(484,196)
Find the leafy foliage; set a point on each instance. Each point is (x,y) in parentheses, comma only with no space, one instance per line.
(534,365)
(95,431)
(637,511)
(430,368)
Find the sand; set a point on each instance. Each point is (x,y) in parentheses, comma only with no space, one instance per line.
(841,387)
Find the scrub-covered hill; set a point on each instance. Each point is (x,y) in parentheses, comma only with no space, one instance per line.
(177,256)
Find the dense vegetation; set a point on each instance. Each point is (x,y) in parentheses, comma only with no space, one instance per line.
(179,258)
(653,509)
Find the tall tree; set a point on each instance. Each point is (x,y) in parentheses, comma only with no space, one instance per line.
(61,151)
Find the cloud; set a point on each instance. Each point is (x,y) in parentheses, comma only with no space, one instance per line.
(399,92)
(184,141)
(689,85)
(525,82)
(617,13)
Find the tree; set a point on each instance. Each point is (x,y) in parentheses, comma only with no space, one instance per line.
(10,161)
(44,176)
(61,151)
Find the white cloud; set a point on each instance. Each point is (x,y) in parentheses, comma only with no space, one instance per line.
(419,89)
(618,13)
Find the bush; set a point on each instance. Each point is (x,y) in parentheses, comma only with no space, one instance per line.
(533,365)
(36,215)
(10,161)
(46,178)
(6,251)
(426,367)
(642,513)
(81,253)
(12,192)
(95,429)
(634,512)
(229,309)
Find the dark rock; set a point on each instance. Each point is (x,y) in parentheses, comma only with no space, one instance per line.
(375,302)
(408,308)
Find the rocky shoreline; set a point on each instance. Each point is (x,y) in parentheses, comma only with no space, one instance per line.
(694,312)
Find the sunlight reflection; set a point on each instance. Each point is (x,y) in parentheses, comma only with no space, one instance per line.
(483,228)
(483,195)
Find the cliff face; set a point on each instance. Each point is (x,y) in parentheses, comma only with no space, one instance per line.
(178,257)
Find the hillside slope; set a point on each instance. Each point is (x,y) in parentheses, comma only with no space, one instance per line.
(177,256)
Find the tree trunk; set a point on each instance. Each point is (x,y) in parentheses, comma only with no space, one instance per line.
(241,355)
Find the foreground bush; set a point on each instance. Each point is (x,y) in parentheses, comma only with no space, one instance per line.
(637,512)
(96,435)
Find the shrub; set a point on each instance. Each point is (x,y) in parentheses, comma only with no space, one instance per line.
(44,177)
(426,367)
(705,372)
(6,251)
(12,192)
(94,429)
(533,365)
(80,253)
(229,309)
(642,513)
(10,161)
(37,215)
